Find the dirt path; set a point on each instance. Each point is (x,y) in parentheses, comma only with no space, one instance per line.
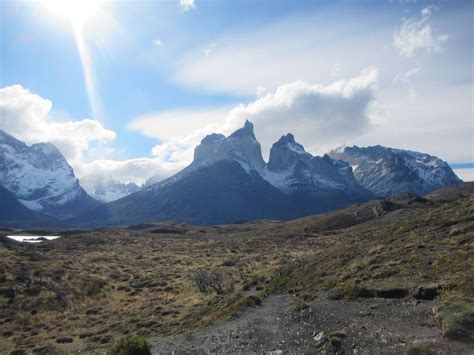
(280,326)
(258,329)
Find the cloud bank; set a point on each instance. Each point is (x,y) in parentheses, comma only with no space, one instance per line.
(318,115)
(27,117)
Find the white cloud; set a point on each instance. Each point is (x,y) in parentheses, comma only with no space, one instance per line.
(318,115)
(158,42)
(335,70)
(260,91)
(208,49)
(426,12)
(171,124)
(282,52)
(416,35)
(131,170)
(27,117)
(180,130)
(187,5)
(438,122)
(405,77)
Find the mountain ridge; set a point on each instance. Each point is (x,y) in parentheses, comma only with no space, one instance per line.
(390,171)
(228,181)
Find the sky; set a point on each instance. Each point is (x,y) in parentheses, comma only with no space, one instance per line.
(127,89)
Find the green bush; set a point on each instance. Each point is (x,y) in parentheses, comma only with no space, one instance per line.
(421,348)
(336,338)
(134,345)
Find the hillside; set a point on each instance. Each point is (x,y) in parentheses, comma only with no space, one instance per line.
(387,276)
(14,214)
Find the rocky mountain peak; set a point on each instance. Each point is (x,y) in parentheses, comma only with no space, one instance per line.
(241,146)
(286,139)
(285,153)
(245,131)
(212,138)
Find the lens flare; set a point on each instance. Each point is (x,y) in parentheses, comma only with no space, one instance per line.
(80,13)
(77,11)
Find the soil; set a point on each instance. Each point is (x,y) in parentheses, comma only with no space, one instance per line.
(281,326)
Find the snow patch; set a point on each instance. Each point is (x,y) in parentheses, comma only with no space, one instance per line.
(32,205)
(280,180)
(296,148)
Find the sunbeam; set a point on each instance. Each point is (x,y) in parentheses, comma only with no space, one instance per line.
(87,68)
(78,13)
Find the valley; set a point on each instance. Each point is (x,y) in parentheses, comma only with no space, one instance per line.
(391,275)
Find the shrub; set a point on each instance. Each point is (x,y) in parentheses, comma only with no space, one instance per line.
(133,345)
(229,262)
(336,338)
(354,291)
(207,281)
(421,348)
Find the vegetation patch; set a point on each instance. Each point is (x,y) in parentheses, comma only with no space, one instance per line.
(134,345)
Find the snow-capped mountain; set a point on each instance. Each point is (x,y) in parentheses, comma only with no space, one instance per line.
(40,178)
(389,171)
(314,183)
(107,189)
(228,181)
(291,168)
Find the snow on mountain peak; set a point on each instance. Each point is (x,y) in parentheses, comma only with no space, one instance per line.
(285,153)
(389,171)
(241,146)
(40,177)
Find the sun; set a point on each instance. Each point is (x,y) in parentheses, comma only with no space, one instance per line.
(76,11)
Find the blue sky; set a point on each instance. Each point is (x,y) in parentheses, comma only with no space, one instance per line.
(404,70)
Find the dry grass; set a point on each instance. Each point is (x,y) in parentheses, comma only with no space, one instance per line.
(92,288)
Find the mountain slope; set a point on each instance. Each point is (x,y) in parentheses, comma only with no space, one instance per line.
(388,171)
(222,192)
(14,214)
(229,181)
(41,178)
(315,184)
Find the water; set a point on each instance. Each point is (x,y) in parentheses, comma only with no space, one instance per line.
(32,238)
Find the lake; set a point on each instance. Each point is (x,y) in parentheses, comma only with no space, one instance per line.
(32,238)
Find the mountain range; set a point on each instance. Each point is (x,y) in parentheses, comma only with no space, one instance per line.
(389,171)
(228,181)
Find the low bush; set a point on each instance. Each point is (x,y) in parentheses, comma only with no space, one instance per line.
(207,281)
(336,338)
(421,348)
(133,345)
